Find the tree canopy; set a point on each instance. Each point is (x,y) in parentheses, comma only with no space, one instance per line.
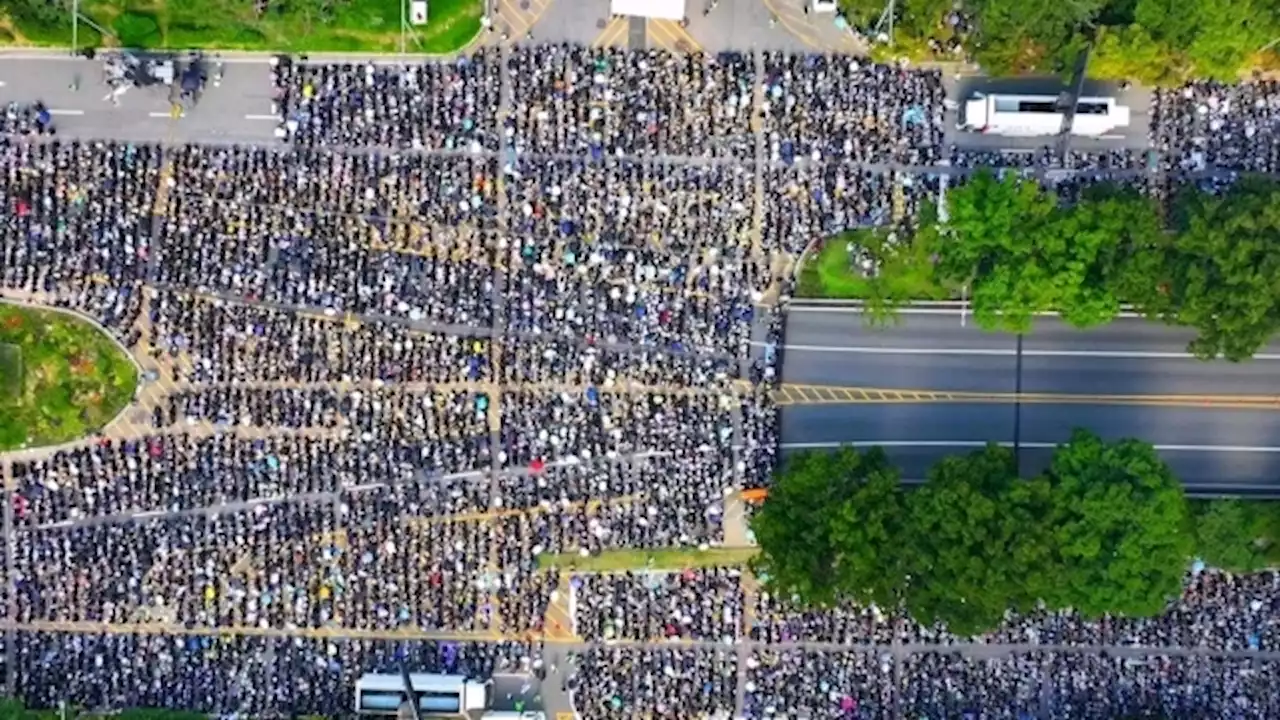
(963,541)
(1210,263)
(1104,530)
(830,529)
(1119,518)
(1022,253)
(1153,41)
(994,241)
(1231,535)
(1218,271)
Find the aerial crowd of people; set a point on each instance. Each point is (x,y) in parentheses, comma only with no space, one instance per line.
(424,345)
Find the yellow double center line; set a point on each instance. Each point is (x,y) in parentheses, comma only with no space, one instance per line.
(790,394)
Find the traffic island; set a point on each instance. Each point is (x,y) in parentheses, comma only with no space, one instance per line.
(61,378)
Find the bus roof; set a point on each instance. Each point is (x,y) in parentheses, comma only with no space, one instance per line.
(422,682)
(1009,115)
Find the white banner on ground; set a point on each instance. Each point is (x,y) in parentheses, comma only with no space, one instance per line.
(418,12)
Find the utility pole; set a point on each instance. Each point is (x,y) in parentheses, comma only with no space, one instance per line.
(1017,411)
(410,696)
(75,27)
(1070,98)
(404,23)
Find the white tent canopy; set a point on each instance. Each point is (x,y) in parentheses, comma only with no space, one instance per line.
(653,9)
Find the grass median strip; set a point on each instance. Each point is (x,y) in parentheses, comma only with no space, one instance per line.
(268,25)
(870,264)
(624,560)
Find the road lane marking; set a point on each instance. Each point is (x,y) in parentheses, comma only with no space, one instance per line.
(261,117)
(1000,352)
(789,22)
(513,13)
(1029,445)
(669,35)
(615,32)
(922,310)
(787,395)
(66,112)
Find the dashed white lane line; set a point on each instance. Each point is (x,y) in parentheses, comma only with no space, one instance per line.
(1002,352)
(261,117)
(916,310)
(1031,445)
(66,112)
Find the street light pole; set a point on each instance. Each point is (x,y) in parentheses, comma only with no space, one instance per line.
(403,25)
(891,11)
(75,27)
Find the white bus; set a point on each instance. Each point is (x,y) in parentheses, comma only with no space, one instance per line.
(1033,115)
(437,695)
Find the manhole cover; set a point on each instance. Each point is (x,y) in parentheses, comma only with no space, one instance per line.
(524,4)
(600,24)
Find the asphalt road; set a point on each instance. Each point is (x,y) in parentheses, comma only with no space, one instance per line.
(237,111)
(936,352)
(1211,449)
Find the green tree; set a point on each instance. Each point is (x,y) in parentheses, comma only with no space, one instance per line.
(1095,234)
(1230,535)
(1016,36)
(1132,53)
(1022,254)
(1119,518)
(1165,41)
(832,529)
(1218,272)
(914,20)
(1033,552)
(1175,23)
(989,243)
(1228,35)
(960,556)
(46,13)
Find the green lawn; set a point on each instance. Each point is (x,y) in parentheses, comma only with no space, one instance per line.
(656,559)
(905,271)
(70,378)
(295,26)
(10,372)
